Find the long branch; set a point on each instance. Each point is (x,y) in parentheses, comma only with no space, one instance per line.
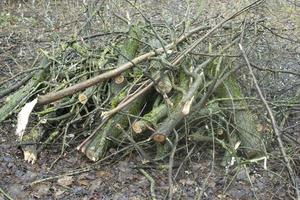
(54,96)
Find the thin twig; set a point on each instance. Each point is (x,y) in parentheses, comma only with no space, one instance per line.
(122,105)
(171,163)
(276,70)
(151,26)
(197,42)
(20,73)
(144,155)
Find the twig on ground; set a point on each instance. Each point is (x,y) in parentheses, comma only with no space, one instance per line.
(274,125)
(5,194)
(276,70)
(171,163)
(94,166)
(152,183)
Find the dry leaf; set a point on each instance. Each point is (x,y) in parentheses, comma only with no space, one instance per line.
(65,181)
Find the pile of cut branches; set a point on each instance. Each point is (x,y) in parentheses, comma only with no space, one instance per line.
(145,89)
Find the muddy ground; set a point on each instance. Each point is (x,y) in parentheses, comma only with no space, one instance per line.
(27,26)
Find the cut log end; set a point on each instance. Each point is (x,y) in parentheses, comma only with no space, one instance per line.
(119,79)
(159,137)
(90,154)
(164,85)
(137,127)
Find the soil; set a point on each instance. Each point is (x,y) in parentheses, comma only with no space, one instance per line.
(27,26)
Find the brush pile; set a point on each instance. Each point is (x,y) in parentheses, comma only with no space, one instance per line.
(151,88)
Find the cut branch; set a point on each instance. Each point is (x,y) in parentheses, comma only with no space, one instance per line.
(54,96)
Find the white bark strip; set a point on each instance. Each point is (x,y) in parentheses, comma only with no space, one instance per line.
(23,117)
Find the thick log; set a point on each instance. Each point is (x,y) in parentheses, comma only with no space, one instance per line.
(179,112)
(150,119)
(97,146)
(128,50)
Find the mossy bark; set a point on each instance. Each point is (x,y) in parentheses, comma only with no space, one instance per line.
(96,149)
(173,115)
(128,51)
(150,119)
(19,97)
(180,111)
(164,84)
(251,142)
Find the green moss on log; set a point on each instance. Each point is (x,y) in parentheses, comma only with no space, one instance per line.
(150,119)
(97,148)
(131,45)
(251,142)
(18,98)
